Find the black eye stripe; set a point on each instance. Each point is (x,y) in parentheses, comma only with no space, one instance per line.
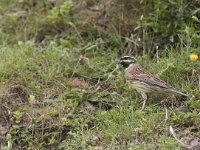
(126,58)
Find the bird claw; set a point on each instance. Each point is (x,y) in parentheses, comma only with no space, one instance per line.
(142,109)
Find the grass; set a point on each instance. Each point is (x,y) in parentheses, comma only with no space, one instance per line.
(61,89)
(83,103)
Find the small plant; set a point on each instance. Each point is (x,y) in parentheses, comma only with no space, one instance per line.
(195,105)
(62,12)
(32,99)
(9,143)
(18,115)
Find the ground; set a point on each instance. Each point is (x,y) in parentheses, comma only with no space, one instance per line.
(61,87)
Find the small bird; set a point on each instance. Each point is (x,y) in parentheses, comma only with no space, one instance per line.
(144,82)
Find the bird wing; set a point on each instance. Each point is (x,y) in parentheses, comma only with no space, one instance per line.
(142,75)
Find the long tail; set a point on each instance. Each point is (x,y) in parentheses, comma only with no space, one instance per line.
(183,94)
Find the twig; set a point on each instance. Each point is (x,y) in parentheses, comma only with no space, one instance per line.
(182,144)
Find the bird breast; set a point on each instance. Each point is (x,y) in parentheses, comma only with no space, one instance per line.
(138,85)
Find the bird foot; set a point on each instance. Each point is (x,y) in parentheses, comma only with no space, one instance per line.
(142,109)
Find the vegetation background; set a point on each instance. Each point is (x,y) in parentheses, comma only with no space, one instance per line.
(60,88)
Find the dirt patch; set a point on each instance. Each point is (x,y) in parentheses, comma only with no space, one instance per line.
(14,97)
(79,83)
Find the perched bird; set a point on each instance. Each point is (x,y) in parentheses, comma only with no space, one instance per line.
(144,82)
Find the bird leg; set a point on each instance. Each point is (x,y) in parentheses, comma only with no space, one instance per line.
(144,97)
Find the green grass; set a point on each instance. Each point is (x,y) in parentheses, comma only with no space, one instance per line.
(61,89)
(103,114)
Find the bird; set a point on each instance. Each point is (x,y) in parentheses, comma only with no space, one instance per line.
(142,81)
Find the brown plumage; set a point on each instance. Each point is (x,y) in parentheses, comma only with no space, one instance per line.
(143,81)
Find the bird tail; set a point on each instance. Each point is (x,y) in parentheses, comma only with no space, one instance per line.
(177,92)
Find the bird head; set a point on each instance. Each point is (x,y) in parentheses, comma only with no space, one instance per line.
(125,61)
